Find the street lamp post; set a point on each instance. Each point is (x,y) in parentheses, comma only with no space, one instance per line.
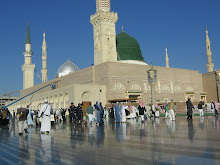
(152,79)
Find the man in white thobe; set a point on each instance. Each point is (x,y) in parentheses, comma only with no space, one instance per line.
(45,121)
(171,107)
(123,115)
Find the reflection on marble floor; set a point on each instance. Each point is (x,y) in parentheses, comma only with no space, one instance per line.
(157,141)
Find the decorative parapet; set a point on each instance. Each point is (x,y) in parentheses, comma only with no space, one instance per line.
(102,16)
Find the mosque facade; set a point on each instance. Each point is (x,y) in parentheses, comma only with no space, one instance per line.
(119,72)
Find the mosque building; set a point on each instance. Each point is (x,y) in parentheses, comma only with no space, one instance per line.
(119,72)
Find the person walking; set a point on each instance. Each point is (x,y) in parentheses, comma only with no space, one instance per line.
(29,118)
(123,114)
(22,114)
(189,109)
(79,113)
(101,112)
(166,110)
(112,112)
(14,115)
(148,112)
(141,109)
(72,111)
(97,113)
(153,110)
(213,107)
(89,112)
(134,112)
(117,113)
(175,108)
(106,113)
(45,114)
(216,108)
(59,115)
(158,110)
(63,113)
(130,112)
(171,110)
(200,109)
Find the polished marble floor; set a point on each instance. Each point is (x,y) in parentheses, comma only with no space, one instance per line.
(158,141)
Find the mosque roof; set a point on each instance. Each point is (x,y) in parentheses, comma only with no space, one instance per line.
(67,68)
(128,48)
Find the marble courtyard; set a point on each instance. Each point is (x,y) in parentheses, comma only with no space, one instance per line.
(158,141)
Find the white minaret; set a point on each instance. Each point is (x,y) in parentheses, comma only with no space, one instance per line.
(103,22)
(44,70)
(209,65)
(167,59)
(28,67)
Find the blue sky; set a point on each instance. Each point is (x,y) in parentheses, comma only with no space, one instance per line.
(178,25)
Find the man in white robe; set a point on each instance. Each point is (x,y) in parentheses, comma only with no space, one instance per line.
(171,108)
(134,112)
(45,121)
(123,115)
(148,113)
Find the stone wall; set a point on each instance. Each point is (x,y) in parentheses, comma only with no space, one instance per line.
(209,86)
(172,83)
(116,80)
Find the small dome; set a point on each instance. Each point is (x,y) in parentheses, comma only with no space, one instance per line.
(128,48)
(67,68)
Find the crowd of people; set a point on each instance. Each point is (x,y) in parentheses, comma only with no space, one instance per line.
(119,112)
(201,107)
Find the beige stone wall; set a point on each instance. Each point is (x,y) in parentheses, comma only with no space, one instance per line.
(172,83)
(115,80)
(62,97)
(209,86)
(83,76)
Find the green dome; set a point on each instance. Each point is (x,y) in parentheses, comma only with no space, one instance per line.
(128,48)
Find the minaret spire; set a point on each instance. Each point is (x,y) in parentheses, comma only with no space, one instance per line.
(28,40)
(44,70)
(167,59)
(28,67)
(207,34)
(209,65)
